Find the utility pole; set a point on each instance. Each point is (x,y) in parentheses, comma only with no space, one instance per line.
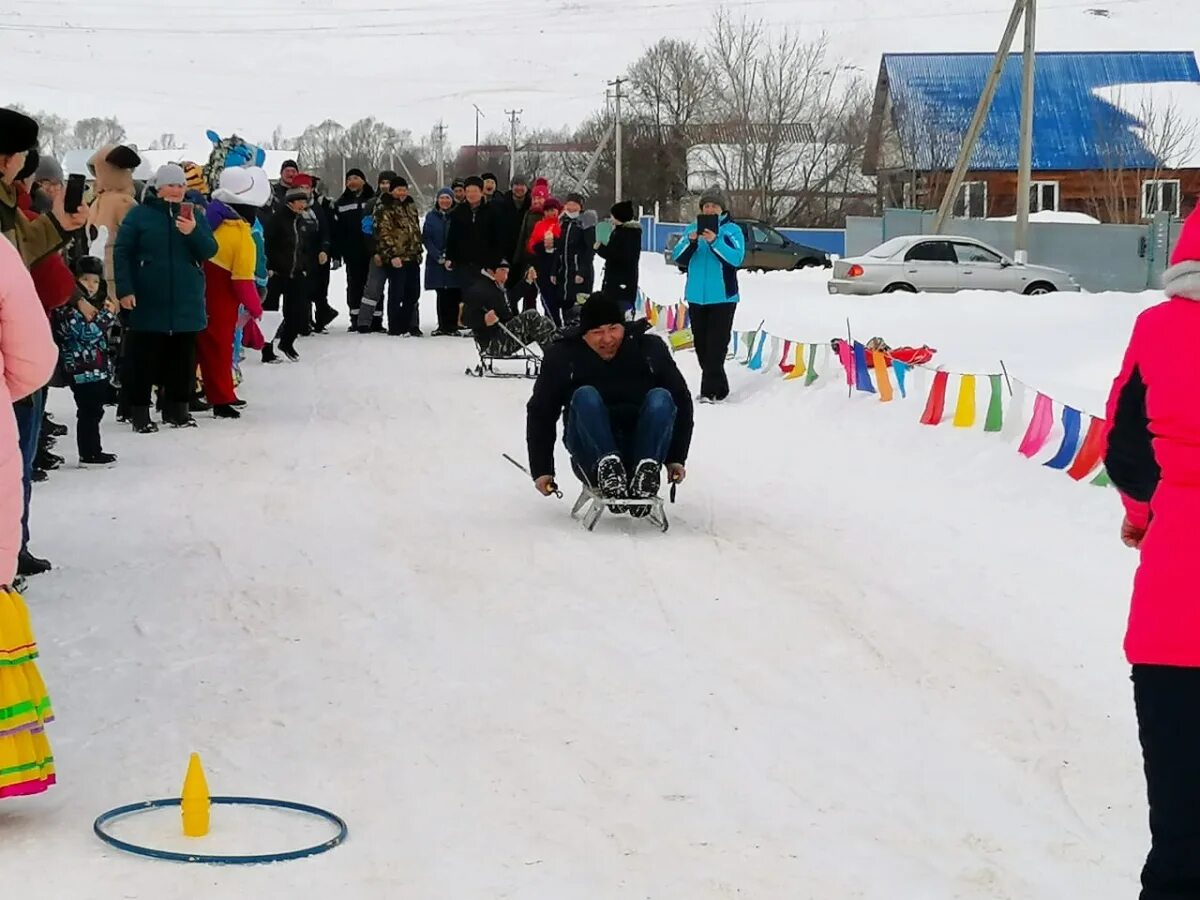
(981,114)
(478,114)
(1025,175)
(618,96)
(512,142)
(439,140)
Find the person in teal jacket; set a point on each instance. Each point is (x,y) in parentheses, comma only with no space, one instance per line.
(711,260)
(158,261)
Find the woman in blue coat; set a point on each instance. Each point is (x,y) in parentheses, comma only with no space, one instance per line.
(711,259)
(439,276)
(159,263)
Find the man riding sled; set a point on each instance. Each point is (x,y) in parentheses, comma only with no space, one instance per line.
(626,408)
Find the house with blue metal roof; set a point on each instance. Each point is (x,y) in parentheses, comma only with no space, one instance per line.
(1116,134)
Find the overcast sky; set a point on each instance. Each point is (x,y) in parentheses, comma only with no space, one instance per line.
(183,66)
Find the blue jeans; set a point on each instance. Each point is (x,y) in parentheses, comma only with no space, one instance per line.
(29,429)
(590,435)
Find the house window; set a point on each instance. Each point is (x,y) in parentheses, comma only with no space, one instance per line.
(1160,196)
(1043,196)
(972,201)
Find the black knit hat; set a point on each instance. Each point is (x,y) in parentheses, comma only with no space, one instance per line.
(89,265)
(598,311)
(575,197)
(32,161)
(122,157)
(474,181)
(398,181)
(623,211)
(457,183)
(489,176)
(350,173)
(387,175)
(289,164)
(18,132)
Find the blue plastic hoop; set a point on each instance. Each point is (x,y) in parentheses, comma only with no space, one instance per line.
(256,859)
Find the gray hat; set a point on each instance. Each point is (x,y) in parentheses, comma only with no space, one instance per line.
(170,174)
(48,169)
(295,195)
(715,195)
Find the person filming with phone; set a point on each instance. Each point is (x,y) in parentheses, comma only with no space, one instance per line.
(710,253)
(159,261)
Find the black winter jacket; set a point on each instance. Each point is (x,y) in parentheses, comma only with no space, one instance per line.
(508,217)
(349,242)
(480,296)
(471,241)
(642,364)
(290,238)
(622,256)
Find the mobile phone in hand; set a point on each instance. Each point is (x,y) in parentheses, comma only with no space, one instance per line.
(707,223)
(187,211)
(74,195)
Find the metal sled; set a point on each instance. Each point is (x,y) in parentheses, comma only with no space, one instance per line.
(591,506)
(486,367)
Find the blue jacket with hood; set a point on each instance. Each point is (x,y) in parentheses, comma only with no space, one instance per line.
(712,268)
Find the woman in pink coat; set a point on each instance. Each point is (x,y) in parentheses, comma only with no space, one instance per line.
(1153,457)
(27,356)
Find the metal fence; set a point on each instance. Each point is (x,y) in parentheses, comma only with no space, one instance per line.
(1101,257)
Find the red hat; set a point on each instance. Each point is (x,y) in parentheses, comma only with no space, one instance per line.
(302,180)
(1187,249)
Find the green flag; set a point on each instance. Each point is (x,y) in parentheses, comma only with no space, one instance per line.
(995,413)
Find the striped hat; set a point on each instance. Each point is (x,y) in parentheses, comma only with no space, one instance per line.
(195,177)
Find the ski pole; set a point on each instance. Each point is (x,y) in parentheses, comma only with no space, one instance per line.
(553,485)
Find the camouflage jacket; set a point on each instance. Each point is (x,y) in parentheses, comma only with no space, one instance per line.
(398,229)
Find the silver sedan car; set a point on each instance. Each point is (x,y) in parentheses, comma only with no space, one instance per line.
(942,264)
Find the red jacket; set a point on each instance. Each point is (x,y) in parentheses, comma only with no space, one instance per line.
(1153,457)
(51,276)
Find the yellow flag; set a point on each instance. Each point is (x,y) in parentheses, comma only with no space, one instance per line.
(883,377)
(799,370)
(964,413)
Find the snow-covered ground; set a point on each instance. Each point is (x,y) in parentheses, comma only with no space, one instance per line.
(870,659)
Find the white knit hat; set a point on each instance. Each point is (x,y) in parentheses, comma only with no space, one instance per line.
(244,186)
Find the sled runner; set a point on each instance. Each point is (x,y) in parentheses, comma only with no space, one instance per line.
(487,361)
(592,505)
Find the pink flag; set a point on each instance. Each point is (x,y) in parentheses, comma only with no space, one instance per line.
(1040,426)
(846,355)
(670,318)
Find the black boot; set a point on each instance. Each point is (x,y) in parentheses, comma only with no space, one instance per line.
(612,482)
(268,355)
(644,485)
(226,411)
(139,418)
(47,460)
(290,352)
(52,428)
(28,564)
(325,317)
(177,416)
(198,404)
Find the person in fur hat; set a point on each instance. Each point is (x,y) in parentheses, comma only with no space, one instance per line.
(113,197)
(229,278)
(81,330)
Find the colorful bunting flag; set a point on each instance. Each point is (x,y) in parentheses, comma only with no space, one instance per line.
(995,413)
(1102,479)
(1015,420)
(862,377)
(846,358)
(901,370)
(813,374)
(1040,427)
(796,370)
(964,412)
(1072,424)
(755,361)
(935,406)
(670,318)
(733,351)
(1090,451)
(882,380)
(775,356)
(784,366)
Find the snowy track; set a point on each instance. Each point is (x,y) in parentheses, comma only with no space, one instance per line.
(868,660)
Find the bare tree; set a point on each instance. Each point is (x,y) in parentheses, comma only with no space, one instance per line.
(1149,145)
(787,121)
(96,132)
(165,142)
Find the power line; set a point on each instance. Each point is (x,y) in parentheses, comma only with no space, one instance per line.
(512,114)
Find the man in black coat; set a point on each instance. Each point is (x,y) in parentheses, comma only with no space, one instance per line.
(350,245)
(508,211)
(622,256)
(290,238)
(624,402)
(487,305)
(471,243)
